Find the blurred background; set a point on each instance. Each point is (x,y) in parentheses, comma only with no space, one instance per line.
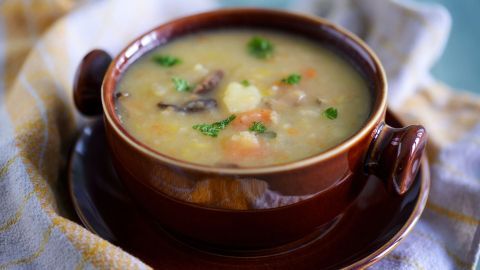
(459,66)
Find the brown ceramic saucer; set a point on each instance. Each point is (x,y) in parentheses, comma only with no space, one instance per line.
(371,228)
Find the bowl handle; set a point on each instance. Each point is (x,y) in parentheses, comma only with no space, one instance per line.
(87,85)
(395,155)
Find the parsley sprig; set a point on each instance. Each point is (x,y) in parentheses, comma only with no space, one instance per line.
(166,60)
(261,129)
(181,85)
(260,47)
(292,79)
(331,113)
(257,127)
(213,129)
(245,83)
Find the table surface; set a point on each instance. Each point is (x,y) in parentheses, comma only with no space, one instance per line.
(459,66)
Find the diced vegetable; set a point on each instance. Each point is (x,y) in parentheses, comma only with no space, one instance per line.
(239,98)
(201,69)
(260,48)
(245,120)
(246,138)
(243,145)
(310,73)
(166,60)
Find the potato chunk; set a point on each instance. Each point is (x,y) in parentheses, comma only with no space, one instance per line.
(239,98)
(241,146)
(246,138)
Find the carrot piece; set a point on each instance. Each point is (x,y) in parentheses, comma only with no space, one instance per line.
(309,73)
(245,119)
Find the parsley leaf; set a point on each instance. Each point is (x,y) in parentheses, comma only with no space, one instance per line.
(257,127)
(261,129)
(181,85)
(245,83)
(212,130)
(331,113)
(260,48)
(166,60)
(292,79)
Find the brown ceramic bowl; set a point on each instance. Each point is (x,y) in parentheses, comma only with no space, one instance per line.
(332,179)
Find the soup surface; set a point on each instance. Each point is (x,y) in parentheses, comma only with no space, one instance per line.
(242,98)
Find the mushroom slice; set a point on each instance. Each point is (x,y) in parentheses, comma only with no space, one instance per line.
(197,105)
(210,82)
(164,106)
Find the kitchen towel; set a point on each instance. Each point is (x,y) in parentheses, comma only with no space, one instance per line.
(40,50)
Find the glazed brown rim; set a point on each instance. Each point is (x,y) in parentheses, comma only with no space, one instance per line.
(109,83)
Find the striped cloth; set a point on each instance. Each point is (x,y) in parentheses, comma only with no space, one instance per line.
(38,57)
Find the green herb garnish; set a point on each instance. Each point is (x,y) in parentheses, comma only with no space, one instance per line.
(260,48)
(331,113)
(245,83)
(292,79)
(261,129)
(166,60)
(212,130)
(258,127)
(181,85)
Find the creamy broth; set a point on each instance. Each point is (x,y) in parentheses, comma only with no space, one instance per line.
(276,98)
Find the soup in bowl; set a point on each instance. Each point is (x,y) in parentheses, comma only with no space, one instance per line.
(242,98)
(245,128)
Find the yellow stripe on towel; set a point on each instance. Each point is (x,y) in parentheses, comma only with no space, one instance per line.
(453,215)
(6,166)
